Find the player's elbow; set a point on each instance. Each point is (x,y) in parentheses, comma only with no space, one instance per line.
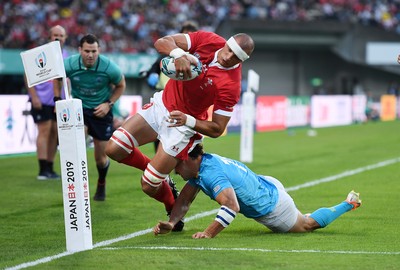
(162,43)
(216,133)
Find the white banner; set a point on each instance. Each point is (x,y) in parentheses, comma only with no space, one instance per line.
(74,172)
(43,63)
(18,132)
(327,111)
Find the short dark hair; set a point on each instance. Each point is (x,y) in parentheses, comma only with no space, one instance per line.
(90,39)
(196,151)
(189,26)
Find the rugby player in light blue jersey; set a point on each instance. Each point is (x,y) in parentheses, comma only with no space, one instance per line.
(99,83)
(239,190)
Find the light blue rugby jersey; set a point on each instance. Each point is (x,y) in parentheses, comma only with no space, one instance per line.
(257,197)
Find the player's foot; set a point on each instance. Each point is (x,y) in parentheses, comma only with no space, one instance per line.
(100,194)
(178,226)
(354,199)
(48,176)
(172,185)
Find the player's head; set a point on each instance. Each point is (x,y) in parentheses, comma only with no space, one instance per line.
(89,48)
(237,49)
(197,151)
(189,168)
(58,33)
(189,26)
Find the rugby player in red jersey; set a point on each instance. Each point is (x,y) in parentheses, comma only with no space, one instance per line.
(177,116)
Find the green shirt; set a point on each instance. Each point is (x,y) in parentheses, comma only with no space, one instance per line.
(92,85)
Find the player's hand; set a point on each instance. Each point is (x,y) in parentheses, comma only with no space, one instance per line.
(163,227)
(102,110)
(398,59)
(199,235)
(176,119)
(182,67)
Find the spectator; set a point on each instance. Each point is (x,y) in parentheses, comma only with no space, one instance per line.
(133,26)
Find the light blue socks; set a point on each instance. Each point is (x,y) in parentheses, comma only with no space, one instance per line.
(325,216)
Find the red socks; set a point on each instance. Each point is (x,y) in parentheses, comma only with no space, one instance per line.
(136,159)
(164,195)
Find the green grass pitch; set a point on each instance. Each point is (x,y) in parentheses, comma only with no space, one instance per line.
(364,157)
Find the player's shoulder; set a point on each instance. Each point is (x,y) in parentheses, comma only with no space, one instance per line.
(207,36)
(104,60)
(205,33)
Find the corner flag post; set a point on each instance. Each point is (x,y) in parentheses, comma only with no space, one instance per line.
(248,116)
(46,63)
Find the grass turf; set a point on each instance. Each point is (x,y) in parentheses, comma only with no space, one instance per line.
(32,222)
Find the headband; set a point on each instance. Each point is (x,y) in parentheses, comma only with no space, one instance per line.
(237,50)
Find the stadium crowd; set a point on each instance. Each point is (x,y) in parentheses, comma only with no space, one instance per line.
(133,26)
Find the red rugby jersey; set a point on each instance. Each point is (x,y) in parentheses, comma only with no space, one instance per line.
(216,85)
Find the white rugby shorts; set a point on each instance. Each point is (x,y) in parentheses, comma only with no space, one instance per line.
(285,214)
(176,141)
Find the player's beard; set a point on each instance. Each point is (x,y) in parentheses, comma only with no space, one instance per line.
(89,62)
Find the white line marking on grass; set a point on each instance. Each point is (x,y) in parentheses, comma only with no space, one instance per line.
(258,249)
(345,174)
(204,214)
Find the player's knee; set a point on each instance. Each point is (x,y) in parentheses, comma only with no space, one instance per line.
(121,144)
(152,179)
(308,224)
(112,150)
(147,189)
(311,224)
(304,223)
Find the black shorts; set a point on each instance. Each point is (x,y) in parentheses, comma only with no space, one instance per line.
(99,128)
(45,114)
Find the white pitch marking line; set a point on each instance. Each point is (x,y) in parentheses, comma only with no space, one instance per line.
(204,214)
(257,249)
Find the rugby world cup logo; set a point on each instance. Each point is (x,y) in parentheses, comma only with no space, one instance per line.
(64,115)
(79,115)
(41,60)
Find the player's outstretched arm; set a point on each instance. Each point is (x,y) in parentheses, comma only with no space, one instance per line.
(181,207)
(226,214)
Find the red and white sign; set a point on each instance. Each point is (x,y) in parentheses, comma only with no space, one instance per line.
(271,113)
(130,104)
